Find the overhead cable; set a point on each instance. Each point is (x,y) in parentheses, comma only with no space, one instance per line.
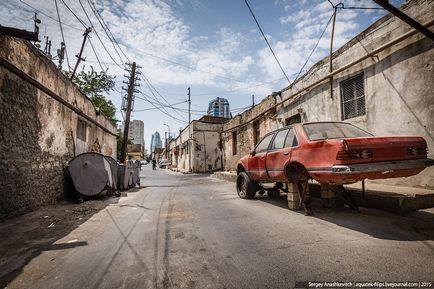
(102,19)
(105,31)
(63,37)
(266,40)
(313,50)
(97,35)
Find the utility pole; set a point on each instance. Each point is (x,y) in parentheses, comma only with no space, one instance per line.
(331,49)
(189,129)
(61,54)
(128,108)
(79,58)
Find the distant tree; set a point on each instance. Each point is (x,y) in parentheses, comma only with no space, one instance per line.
(95,85)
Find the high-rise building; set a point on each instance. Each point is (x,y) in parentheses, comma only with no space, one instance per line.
(155,142)
(136,132)
(219,107)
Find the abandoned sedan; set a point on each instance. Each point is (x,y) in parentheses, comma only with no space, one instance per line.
(334,153)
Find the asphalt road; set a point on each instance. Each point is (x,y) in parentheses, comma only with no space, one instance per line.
(192,231)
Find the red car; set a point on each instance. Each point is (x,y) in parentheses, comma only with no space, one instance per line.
(334,153)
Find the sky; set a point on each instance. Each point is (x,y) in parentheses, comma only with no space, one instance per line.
(212,46)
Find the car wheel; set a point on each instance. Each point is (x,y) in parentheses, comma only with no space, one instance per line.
(246,188)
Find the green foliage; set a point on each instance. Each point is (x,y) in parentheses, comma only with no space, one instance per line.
(95,85)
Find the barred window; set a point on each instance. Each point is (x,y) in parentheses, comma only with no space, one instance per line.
(353,97)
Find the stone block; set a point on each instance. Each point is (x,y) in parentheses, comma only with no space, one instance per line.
(293,188)
(294,197)
(328,193)
(294,205)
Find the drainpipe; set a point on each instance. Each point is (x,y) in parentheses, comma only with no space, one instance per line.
(331,50)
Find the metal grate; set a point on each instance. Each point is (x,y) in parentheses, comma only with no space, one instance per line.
(353,97)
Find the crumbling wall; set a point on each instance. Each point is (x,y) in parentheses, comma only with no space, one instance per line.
(242,125)
(38,135)
(398,85)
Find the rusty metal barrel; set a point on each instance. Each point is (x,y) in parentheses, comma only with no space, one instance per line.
(92,173)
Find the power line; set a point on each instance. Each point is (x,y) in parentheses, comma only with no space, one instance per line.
(102,19)
(160,109)
(314,48)
(105,31)
(266,40)
(147,80)
(96,55)
(97,35)
(75,15)
(152,108)
(50,17)
(61,31)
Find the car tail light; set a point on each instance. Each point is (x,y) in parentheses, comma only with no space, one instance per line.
(354,154)
(417,151)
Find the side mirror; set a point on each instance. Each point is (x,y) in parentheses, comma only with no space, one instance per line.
(253,153)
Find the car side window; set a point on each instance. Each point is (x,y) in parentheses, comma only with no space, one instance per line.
(263,145)
(279,140)
(291,139)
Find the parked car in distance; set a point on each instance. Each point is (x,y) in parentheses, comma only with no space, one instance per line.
(164,163)
(334,153)
(144,162)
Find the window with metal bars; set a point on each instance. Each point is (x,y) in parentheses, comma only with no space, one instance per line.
(353,97)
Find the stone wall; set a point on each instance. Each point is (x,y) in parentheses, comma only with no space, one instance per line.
(38,135)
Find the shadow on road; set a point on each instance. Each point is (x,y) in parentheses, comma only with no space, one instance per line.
(415,226)
(26,237)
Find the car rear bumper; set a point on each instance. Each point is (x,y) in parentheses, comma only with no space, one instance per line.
(382,166)
(347,174)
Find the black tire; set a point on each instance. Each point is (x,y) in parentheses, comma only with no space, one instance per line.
(246,188)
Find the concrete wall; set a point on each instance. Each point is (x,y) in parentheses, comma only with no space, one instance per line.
(205,153)
(242,124)
(38,135)
(397,82)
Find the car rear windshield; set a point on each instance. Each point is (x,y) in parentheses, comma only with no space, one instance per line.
(333,130)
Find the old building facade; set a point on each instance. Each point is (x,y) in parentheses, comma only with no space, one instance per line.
(381,81)
(39,134)
(198,147)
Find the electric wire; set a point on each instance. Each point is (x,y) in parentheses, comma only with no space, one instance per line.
(160,109)
(266,40)
(152,87)
(102,19)
(97,35)
(50,17)
(96,55)
(153,108)
(105,31)
(73,13)
(63,37)
(314,48)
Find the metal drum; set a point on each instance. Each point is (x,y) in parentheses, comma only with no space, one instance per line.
(91,173)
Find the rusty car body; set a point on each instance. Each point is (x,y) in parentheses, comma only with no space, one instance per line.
(333,153)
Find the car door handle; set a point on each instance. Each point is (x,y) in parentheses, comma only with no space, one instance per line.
(286,153)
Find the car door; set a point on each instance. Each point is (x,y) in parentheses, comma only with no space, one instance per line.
(277,156)
(257,170)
